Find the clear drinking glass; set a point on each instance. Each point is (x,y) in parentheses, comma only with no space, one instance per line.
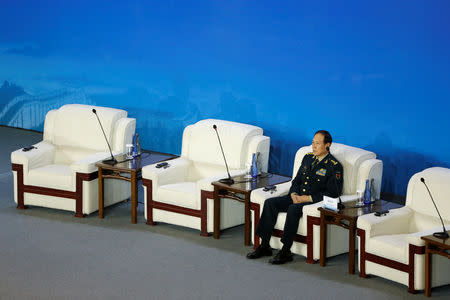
(359,201)
(248,171)
(129,151)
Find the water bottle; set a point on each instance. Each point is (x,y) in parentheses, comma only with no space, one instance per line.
(367,196)
(372,190)
(135,150)
(254,166)
(258,163)
(138,145)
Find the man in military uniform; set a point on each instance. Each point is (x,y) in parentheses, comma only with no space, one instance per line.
(319,175)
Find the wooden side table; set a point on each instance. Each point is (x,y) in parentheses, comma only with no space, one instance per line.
(433,245)
(133,167)
(240,191)
(346,218)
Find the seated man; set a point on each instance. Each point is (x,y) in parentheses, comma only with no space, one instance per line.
(320,174)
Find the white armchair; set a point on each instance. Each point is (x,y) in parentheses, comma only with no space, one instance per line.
(391,247)
(182,194)
(61,173)
(358,165)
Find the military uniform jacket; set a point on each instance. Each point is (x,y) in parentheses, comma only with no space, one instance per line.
(318,178)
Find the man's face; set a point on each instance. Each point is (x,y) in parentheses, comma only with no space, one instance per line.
(319,148)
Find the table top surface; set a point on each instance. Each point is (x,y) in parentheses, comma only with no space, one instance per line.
(136,164)
(243,184)
(445,243)
(352,211)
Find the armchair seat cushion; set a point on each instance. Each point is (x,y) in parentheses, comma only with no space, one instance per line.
(280,223)
(182,194)
(394,247)
(52,176)
(205,183)
(281,220)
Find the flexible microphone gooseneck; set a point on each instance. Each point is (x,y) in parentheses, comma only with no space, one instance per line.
(340,204)
(111,161)
(444,234)
(228,180)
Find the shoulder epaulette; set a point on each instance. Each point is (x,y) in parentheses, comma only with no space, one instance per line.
(309,153)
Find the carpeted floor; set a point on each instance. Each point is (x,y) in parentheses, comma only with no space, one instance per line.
(50,254)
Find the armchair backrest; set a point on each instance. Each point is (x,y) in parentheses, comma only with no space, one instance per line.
(75,125)
(200,142)
(351,159)
(418,199)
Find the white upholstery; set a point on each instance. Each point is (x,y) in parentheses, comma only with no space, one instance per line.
(181,192)
(201,162)
(61,177)
(235,142)
(390,236)
(73,142)
(358,165)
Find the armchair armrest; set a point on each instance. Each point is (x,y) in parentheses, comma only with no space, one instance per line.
(42,155)
(87,165)
(177,172)
(312,209)
(259,196)
(261,144)
(123,133)
(415,238)
(205,183)
(371,168)
(395,222)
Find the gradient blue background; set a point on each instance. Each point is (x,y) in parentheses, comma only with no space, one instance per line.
(376,75)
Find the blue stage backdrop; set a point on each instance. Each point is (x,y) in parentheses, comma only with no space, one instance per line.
(376,75)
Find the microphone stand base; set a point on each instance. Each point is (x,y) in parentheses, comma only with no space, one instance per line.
(111,161)
(441,235)
(228,181)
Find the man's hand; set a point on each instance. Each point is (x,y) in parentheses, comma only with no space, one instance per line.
(300,199)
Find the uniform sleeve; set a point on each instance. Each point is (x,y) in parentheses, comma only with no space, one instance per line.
(296,183)
(334,184)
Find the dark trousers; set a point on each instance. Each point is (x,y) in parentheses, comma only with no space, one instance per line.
(269,216)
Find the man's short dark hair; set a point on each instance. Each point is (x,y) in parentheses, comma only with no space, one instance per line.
(326,136)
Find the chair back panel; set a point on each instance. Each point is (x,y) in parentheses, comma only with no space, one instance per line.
(67,155)
(438,181)
(75,125)
(200,142)
(420,222)
(199,170)
(351,159)
(123,134)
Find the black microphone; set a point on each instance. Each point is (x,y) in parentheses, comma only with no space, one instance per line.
(228,180)
(112,160)
(440,235)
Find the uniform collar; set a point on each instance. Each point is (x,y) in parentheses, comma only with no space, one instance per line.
(320,158)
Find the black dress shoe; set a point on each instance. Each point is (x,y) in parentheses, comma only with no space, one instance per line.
(281,257)
(260,252)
